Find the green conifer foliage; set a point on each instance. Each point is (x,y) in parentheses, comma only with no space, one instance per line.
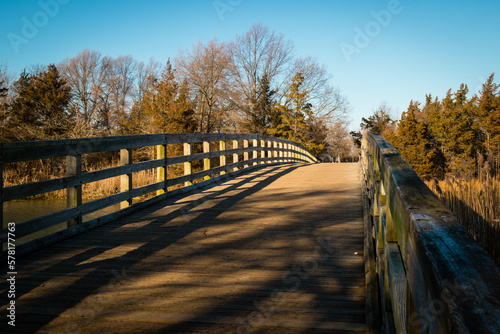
(164,107)
(415,144)
(295,119)
(40,107)
(489,114)
(263,116)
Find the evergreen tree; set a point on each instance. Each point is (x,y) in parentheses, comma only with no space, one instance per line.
(356,138)
(378,122)
(462,135)
(40,107)
(3,108)
(263,116)
(164,107)
(3,89)
(489,113)
(415,144)
(183,118)
(295,120)
(291,124)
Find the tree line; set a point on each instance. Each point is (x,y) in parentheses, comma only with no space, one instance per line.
(252,84)
(454,135)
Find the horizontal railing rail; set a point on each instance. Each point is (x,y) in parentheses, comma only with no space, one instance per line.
(433,276)
(246,150)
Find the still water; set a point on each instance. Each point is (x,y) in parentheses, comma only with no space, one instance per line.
(21,211)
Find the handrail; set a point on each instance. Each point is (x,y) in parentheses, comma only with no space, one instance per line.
(433,276)
(256,150)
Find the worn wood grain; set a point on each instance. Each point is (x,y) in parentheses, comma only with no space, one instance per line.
(444,266)
(74,148)
(270,251)
(46,149)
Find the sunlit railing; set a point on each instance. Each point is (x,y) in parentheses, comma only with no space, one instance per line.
(243,150)
(433,276)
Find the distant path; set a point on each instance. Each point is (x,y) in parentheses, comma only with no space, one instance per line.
(271,251)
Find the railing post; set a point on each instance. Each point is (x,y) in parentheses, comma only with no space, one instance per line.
(263,153)
(245,154)
(161,172)
(269,152)
(206,161)
(222,147)
(188,165)
(255,154)
(235,155)
(280,145)
(126,180)
(275,153)
(74,194)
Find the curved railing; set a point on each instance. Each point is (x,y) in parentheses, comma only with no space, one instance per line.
(244,150)
(433,276)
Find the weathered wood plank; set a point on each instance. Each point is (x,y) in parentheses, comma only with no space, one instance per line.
(268,251)
(397,285)
(126,144)
(443,262)
(33,150)
(32,189)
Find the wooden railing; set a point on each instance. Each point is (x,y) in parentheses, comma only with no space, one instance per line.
(433,276)
(246,150)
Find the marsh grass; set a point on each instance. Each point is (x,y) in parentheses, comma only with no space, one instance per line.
(40,170)
(476,204)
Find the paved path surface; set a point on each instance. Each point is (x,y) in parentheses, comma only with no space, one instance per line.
(272,251)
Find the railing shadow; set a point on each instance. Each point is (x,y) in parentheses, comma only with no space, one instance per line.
(481,230)
(93,273)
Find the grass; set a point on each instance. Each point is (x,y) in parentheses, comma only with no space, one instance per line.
(35,171)
(476,204)
(40,170)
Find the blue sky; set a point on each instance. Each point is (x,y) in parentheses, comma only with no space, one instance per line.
(377,51)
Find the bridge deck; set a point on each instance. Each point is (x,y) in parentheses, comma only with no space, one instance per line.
(271,251)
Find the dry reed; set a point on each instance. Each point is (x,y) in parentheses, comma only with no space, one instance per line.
(476,204)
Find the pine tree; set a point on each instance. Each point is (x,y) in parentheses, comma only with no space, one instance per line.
(489,113)
(262,117)
(164,107)
(378,122)
(3,89)
(416,145)
(294,120)
(453,124)
(40,108)
(4,110)
(292,115)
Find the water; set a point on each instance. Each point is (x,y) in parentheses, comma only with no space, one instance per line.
(21,211)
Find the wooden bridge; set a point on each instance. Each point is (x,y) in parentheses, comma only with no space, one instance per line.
(262,240)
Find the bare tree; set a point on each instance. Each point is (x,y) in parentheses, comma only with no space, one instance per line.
(205,69)
(143,74)
(257,54)
(120,85)
(340,145)
(85,74)
(6,95)
(6,80)
(328,104)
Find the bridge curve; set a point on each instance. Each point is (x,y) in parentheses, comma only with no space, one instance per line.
(275,250)
(263,241)
(433,276)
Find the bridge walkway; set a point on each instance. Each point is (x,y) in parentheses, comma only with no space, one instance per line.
(276,250)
